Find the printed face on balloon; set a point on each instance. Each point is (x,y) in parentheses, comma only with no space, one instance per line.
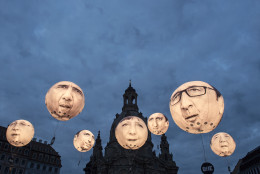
(19,133)
(222,144)
(196,107)
(131,132)
(65,100)
(158,124)
(84,140)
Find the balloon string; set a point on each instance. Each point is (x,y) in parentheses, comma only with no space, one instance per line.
(56,128)
(228,165)
(80,158)
(203,148)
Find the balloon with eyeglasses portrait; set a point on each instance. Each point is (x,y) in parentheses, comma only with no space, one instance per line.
(65,100)
(19,133)
(222,144)
(197,107)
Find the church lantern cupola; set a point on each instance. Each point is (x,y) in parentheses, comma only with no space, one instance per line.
(130,99)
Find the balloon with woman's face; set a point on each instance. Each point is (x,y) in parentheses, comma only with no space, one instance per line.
(222,144)
(158,123)
(65,100)
(196,107)
(131,132)
(19,133)
(84,140)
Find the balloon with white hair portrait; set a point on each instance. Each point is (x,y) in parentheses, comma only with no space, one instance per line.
(84,140)
(196,107)
(19,133)
(158,123)
(65,100)
(222,144)
(131,132)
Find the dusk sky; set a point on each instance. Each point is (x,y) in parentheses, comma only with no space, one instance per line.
(158,44)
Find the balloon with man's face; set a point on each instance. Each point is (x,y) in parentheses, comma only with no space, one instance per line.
(196,107)
(222,144)
(19,133)
(131,132)
(65,100)
(84,140)
(158,123)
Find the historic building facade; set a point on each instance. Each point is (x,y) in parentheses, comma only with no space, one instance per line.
(250,164)
(118,160)
(34,158)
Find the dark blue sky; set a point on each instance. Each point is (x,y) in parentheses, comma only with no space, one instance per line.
(100,45)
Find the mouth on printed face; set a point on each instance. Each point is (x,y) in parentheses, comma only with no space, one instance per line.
(65,106)
(155,128)
(88,145)
(15,134)
(224,146)
(132,140)
(191,118)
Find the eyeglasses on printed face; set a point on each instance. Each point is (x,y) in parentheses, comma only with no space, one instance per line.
(192,91)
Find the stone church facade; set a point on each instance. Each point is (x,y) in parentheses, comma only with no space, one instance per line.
(118,160)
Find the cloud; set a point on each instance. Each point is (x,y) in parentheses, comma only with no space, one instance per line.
(158,45)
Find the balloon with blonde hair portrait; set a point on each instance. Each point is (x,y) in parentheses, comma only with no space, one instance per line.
(65,100)
(196,107)
(19,133)
(131,132)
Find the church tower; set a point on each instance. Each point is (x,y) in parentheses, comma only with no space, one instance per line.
(118,160)
(130,100)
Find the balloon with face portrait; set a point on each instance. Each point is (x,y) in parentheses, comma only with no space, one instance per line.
(84,140)
(222,144)
(19,133)
(158,123)
(131,132)
(65,100)
(196,107)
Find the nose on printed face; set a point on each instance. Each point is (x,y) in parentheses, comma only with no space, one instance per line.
(15,127)
(67,95)
(186,101)
(132,130)
(154,123)
(222,139)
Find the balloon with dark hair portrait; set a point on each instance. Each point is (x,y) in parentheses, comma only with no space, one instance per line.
(158,123)
(196,107)
(84,140)
(65,100)
(19,133)
(222,144)
(131,132)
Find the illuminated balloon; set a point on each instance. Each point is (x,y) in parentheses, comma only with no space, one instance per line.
(19,133)
(222,144)
(196,107)
(131,132)
(158,124)
(65,100)
(84,140)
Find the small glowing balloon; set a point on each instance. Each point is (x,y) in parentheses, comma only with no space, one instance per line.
(131,132)
(65,100)
(222,144)
(158,123)
(19,133)
(84,140)
(196,107)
